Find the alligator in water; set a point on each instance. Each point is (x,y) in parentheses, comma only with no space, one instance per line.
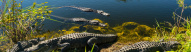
(93,22)
(146,46)
(90,10)
(21,45)
(74,40)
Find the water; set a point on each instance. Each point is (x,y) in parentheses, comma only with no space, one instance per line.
(140,11)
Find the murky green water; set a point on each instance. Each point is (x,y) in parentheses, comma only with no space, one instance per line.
(140,11)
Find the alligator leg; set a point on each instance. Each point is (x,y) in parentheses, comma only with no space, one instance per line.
(20,46)
(36,40)
(41,39)
(91,42)
(64,46)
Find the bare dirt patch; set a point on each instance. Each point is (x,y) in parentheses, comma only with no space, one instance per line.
(113,47)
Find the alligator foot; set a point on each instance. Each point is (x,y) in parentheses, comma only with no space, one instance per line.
(36,40)
(91,43)
(64,46)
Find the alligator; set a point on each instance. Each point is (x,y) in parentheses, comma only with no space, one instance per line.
(74,40)
(90,10)
(146,46)
(21,45)
(92,22)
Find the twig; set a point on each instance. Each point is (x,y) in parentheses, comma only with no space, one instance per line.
(181,17)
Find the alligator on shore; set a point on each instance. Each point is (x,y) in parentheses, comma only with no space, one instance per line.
(25,44)
(74,40)
(146,46)
(92,22)
(90,10)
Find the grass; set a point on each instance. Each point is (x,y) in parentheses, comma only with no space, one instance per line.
(20,23)
(180,31)
(138,33)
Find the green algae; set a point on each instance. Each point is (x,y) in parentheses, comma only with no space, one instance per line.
(125,32)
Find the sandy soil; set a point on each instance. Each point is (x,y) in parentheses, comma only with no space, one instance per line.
(113,47)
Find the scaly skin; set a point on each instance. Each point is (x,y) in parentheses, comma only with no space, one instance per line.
(93,22)
(75,40)
(82,8)
(21,45)
(90,10)
(146,46)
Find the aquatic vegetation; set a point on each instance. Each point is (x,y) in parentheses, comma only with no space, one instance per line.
(29,20)
(98,28)
(71,30)
(128,29)
(98,20)
(144,30)
(126,25)
(138,33)
(134,30)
